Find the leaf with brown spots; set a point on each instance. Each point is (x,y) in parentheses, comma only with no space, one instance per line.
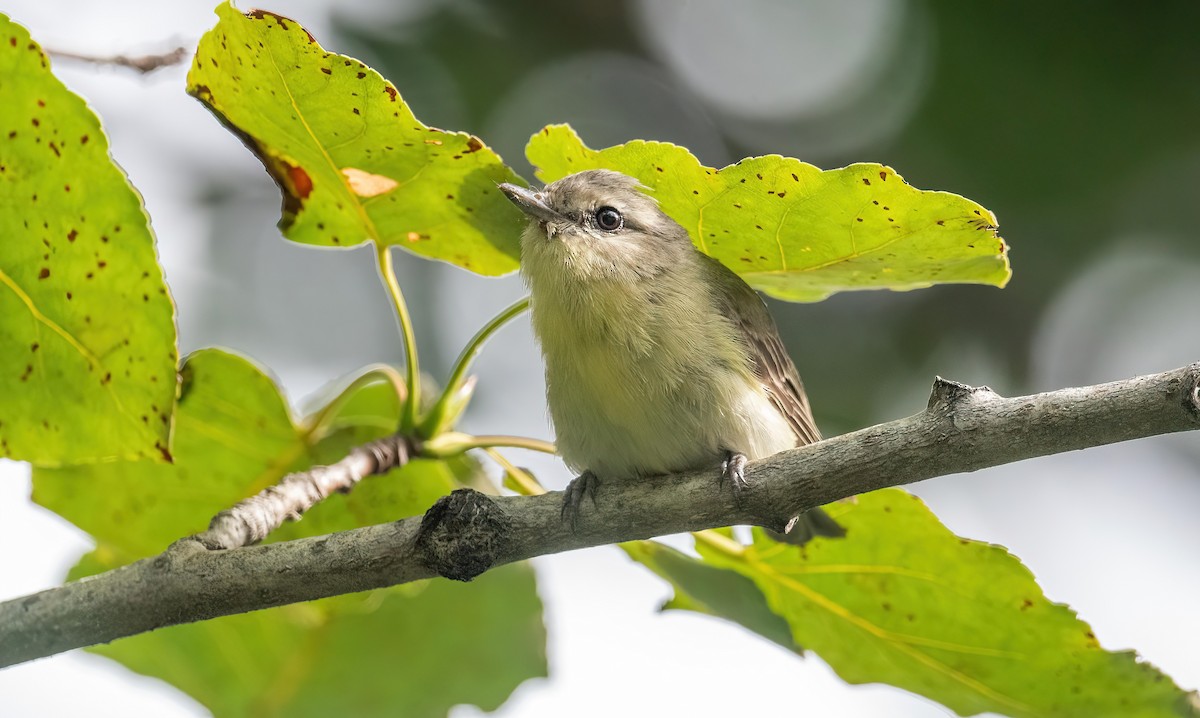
(76,259)
(794,231)
(352,160)
(903,601)
(235,435)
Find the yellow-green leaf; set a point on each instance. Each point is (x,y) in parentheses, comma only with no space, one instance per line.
(87,330)
(797,232)
(352,160)
(389,652)
(903,601)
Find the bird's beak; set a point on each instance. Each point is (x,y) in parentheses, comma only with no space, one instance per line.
(531,203)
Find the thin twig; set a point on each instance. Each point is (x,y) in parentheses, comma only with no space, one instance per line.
(252,520)
(144,64)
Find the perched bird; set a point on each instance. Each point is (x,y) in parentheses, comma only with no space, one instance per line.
(659,359)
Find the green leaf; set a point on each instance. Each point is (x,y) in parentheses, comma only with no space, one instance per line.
(353,162)
(901,600)
(233,437)
(410,651)
(794,231)
(398,651)
(87,370)
(717,592)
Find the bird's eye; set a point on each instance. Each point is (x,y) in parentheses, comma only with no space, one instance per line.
(609,219)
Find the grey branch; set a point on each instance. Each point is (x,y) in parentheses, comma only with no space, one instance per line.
(144,64)
(252,520)
(466,533)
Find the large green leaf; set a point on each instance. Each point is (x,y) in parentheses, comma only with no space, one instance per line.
(353,162)
(398,651)
(87,331)
(901,600)
(794,231)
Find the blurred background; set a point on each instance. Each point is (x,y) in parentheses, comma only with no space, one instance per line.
(1078,124)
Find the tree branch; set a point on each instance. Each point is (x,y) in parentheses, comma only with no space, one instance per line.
(144,64)
(466,533)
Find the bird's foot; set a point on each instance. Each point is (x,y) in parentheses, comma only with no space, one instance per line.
(733,469)
(581,487)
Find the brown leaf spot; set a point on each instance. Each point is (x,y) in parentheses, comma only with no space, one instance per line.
(326,70)
(391,92)
(474,144)
(355,109)
(940,223)
(301,183)
(264,14)
(28,371)
(361,75)
(781,195)
(366,184)
(54,149)
(44,273)
(34,347)
(866,181)
(883,175)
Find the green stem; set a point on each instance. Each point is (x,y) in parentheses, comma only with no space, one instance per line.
(522,481)
(316,423)
(488,441)
(463,363)
(440,414)
(452,443)
(413,377)
(719,542)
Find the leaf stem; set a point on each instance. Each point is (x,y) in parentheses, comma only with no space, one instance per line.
(521,480)
(316,422)
(443,413)
(387,272)
(720,543)
(453,443)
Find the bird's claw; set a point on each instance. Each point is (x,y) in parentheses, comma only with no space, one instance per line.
(582,486)
(733,469)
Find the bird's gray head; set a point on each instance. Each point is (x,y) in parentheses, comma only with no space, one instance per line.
(598,224)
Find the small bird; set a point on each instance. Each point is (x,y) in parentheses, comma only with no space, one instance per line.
(659,359)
